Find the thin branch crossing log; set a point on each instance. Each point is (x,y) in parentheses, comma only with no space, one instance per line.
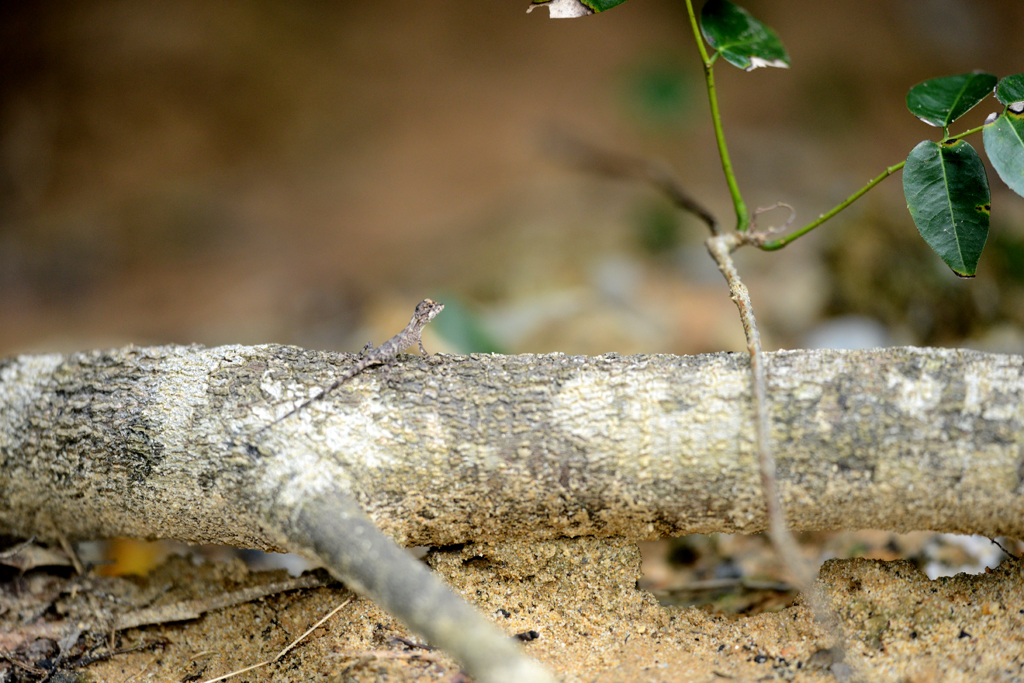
(155,442)
(166,442)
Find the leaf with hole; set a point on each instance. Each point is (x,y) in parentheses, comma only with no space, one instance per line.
(1004,144)
(941,101)
(948,197)
(741,39)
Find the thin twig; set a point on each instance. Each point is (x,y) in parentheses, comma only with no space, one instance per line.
(85,661)
(193,609)
(573,151)
(785,545)
(720,248)
(722,584)
(285,651)
(1005,551)
(25,666)
(765,234)
(389,654)
(70,551)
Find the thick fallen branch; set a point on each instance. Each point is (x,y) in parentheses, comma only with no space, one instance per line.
(159,442)
(155,442)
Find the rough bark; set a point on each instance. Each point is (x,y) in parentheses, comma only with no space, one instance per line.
(165,442)
(154,442)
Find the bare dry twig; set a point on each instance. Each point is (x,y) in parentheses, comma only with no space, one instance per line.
(193,609)
(583,155)
(288,649)
(721,247)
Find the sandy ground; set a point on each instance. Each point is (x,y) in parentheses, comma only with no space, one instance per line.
(576,605)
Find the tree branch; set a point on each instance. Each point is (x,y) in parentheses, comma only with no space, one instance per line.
(154,442)
(162,442)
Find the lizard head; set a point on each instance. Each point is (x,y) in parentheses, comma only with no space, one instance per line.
(427,310)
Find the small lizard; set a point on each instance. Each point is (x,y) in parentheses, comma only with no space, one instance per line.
(385,354)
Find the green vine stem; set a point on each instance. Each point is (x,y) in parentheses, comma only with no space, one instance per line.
(774,245)
(742,215)
(972,131)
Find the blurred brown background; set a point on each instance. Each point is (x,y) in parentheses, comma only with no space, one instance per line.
(305,172)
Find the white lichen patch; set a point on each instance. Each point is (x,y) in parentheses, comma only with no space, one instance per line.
(362,436)
(784,374)
(916,397)
(996,396)
(275,388)
(19,386)
(180,389)
(645,413)
(298,473)
(587,406)
(284,395)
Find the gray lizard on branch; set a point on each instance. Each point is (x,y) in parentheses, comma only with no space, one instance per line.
(385,354)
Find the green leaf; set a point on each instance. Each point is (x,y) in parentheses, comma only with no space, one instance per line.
(1011,90)
(1004,144)
(947,194)
(740,38)
(941,101)
(601,5)
(570,9)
